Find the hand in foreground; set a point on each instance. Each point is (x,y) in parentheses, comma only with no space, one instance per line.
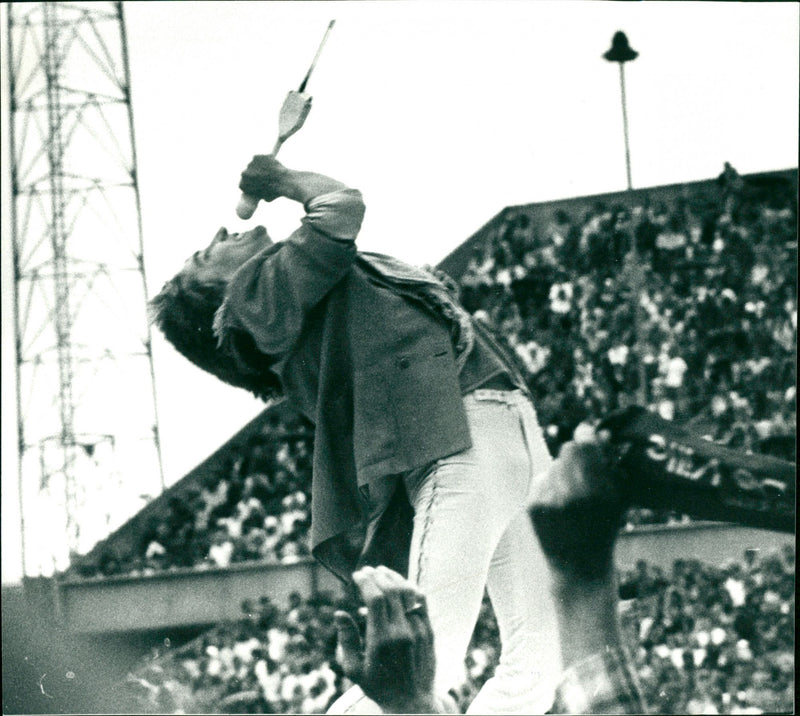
(576,510)
(396,665)
(263,178)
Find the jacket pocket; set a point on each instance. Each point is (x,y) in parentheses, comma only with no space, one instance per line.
(425,399)
(408,410)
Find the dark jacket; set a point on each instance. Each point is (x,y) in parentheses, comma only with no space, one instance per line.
(367,360)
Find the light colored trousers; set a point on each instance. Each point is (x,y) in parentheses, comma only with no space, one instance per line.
(471,532)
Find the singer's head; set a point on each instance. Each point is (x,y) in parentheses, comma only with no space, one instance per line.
(224,255)
(185,309)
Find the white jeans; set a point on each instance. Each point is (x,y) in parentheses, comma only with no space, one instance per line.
(472,531)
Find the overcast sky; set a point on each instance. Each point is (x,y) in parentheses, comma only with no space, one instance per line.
(442,113)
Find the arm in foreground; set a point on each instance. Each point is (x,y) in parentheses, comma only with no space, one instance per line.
(576,513)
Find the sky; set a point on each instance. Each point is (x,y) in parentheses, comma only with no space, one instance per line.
(442,113)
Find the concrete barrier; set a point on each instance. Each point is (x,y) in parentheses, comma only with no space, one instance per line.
(709,542)
(184,598)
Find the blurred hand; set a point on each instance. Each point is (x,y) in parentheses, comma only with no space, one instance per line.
(576,509)
(396,665)
(263,178)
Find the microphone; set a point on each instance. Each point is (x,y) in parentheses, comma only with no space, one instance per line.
(246,206)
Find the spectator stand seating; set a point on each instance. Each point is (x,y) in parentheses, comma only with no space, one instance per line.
(681,297)
(704,639)
(707,318)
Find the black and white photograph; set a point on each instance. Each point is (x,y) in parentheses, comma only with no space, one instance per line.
(399,356)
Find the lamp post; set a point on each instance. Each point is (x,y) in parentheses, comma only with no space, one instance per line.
(621,52)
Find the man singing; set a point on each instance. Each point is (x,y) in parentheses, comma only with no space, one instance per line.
(426,442)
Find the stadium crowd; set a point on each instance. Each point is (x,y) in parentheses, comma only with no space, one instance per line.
(714,640)
(708,339)
(255,509)
(704,640)
(688,307)
(699,321)
(275,660)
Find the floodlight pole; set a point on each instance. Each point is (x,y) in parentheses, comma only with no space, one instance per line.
(625,124)
(621,52)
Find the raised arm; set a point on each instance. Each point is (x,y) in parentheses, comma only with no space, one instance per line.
(576,512)
(266,178)
(271,293)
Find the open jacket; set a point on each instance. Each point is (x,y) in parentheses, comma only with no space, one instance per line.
(369,350)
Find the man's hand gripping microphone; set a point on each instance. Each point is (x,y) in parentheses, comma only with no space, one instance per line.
(293,115)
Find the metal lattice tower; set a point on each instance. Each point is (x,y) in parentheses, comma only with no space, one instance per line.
(86,413)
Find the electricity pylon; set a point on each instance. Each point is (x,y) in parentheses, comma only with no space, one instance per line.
(88,438)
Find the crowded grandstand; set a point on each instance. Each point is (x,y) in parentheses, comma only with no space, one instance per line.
(683,299)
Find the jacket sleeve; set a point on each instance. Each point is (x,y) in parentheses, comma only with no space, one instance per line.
(270,295)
